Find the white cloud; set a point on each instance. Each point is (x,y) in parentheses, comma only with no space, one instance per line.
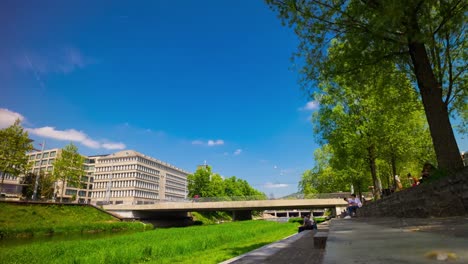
(73,135)
(270,185)
(311,106)
(209,143)
(237,152)
(113,145)
(8,118)
(215,142)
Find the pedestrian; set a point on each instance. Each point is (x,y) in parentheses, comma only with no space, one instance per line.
(307,224)
(353,204)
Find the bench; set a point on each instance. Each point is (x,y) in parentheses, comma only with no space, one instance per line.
(320,240)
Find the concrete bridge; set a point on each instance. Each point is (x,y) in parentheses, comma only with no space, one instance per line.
(241,209)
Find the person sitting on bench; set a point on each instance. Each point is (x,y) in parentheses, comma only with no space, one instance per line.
(308,224)
(353,204)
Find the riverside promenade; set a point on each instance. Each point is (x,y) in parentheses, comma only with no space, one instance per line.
(385,240)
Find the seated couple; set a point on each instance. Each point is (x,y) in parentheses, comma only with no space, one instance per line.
(308,224)
(353,204)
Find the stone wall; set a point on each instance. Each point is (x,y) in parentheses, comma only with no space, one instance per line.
(446,197)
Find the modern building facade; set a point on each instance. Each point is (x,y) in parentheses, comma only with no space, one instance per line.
(123,177)
(129,177)
(43,162)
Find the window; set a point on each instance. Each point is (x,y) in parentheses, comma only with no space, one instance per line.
(37,163)
(44,162)
(49,168)
(32,157)
(38,156)
(46,155)
(70,192)
(52,154)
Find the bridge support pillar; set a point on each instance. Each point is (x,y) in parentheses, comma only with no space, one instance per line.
(242,215)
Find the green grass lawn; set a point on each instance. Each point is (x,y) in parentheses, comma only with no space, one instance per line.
(23,220)
(196,244)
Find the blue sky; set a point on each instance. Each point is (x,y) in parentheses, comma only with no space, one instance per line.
(182,81)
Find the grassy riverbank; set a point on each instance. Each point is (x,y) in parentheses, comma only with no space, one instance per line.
(26,220)
(196,244)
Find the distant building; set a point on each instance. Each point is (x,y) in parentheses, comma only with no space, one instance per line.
(122,177)
(131,177)
(43,161)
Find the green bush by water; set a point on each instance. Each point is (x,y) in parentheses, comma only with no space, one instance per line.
(196,244)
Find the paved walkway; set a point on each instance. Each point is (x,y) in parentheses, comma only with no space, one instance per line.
(373,241)
(298,248)
(397,240)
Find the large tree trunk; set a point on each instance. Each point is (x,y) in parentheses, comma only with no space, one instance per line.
(1,183)
(445,145)
(394,170)
(373,169)
(63,189)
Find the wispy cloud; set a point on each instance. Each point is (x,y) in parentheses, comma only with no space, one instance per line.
(8,118)
(75,136)
(237,152)
(63,61)
(209,143)
(270,185)
(113,145)
(310,106)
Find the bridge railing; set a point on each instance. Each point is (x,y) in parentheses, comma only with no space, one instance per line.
(261,197)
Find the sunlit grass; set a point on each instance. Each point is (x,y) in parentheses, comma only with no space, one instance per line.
(197,244)
(26,220)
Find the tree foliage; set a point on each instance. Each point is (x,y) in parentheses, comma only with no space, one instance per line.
(426,39)
(205,183)
(14,146)
(68,167)
(363,130)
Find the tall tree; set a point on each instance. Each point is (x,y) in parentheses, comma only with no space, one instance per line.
(199,182)
(426,38)
(68,167)
(14,145)
(359,123)
(205,183)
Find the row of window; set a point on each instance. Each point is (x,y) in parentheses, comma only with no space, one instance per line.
(175,180)
(36,170)
(126,184)
(175,184)
(127,168)
(174,198)
(137,175)
(126,193)
(74,192)
(175,191)
(43,162)
(116,160)
(43,155)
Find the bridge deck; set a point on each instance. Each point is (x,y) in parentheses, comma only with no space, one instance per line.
(230,205)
